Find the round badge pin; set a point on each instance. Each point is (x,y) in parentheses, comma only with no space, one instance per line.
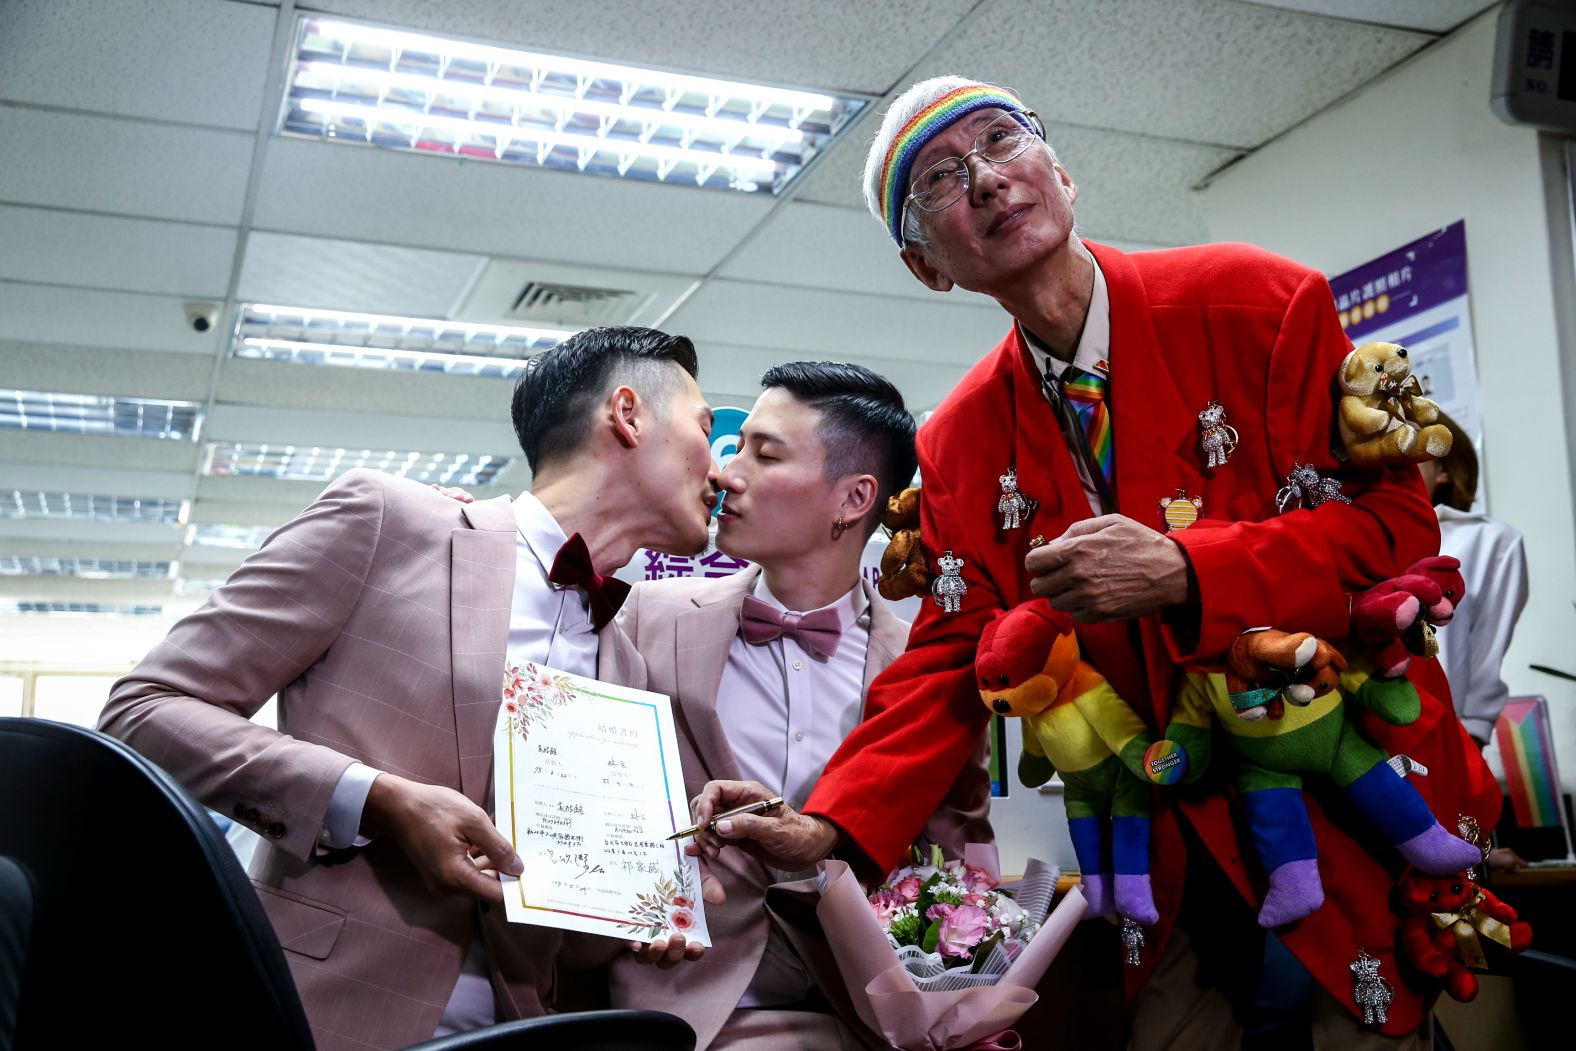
(1165,762)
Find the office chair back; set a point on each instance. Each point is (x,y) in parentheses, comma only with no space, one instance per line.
(144,924)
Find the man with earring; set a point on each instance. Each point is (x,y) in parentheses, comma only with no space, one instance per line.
(768,670)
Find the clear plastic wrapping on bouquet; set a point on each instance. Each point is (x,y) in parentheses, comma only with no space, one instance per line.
(910,998)
(929,969)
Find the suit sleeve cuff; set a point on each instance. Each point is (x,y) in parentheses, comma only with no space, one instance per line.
(342,822)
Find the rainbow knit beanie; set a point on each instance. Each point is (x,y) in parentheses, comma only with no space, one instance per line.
(906,129)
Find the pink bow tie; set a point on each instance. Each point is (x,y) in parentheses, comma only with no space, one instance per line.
(818,632)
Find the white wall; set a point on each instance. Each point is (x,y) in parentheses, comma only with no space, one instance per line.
(1416,151)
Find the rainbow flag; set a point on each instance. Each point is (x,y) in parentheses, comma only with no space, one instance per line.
(1526,747)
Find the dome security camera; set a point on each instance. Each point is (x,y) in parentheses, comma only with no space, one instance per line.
(202,317)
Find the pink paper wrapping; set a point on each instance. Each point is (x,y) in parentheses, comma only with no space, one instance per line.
(885,996)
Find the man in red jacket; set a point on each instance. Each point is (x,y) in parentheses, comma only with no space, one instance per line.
(1132,395)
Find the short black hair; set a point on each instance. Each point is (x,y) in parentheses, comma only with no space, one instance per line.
(553,396)
(865,428)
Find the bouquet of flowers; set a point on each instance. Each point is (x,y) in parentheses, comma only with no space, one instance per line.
(940,957)
(950,915)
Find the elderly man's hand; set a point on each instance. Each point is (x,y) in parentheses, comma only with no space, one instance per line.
(1109,568)
(784,839)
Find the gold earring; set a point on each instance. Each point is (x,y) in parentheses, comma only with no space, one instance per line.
(839,528)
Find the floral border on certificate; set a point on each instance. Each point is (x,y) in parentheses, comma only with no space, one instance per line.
(531,693)
(669,907)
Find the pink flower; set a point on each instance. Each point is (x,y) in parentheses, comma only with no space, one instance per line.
(684,919)
(939,911)
(511,706)
(681,902)
(978,880)
(907,888)
(961,930)
(979,900)
(885,904)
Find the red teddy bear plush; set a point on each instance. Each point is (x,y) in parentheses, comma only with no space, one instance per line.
(1396,618)
(1447,920)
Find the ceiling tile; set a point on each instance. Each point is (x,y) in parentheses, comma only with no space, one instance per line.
(1211,71)
(825,44)
(839,170)
(108,252)
(101,164)
(894,330)
(97,370)
(187,61)
(290,270)
(821,246)
(365,194)
(88,532)
(93,317)
(282,384)
(731,375)
(1432,16)
(1137,189)
(58,478)
(359,430)
(97,451)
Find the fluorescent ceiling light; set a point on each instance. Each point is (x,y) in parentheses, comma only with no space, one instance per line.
(36,410)
(425,94)
(32,503)
(85,568)
(318,464)
(80,609)
(386,341)
(216,534)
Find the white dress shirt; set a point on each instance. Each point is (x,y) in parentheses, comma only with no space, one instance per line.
(548,626)
(784,713)
(1472,646)
(1093,355)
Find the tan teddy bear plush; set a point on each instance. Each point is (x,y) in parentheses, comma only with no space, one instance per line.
(904,571)
(1384,417)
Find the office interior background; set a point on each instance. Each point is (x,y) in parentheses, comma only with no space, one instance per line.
(195,236)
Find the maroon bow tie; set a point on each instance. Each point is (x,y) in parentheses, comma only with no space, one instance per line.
(818,632)
(572,568)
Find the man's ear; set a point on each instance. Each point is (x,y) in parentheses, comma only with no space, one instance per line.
(859,498)
(929,276)
(1066,181)
(625,411)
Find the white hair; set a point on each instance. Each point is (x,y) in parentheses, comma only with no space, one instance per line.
(903,109)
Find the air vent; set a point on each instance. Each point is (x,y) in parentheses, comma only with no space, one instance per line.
(515,291)
(541,296)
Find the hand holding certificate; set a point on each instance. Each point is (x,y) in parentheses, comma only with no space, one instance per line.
(588,788)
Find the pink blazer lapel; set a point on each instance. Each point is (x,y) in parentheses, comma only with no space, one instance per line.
(702,638)
(481,594)
(888,635)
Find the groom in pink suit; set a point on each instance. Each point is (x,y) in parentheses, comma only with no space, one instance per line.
(768,671)
(382,617)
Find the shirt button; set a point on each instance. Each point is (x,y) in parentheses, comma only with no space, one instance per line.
(799,736)
(797,665)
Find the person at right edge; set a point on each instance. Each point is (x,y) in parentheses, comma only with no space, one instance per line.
(1494,564)
(1091,403)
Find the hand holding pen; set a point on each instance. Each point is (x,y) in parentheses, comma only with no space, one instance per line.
(760,806)
(780,836)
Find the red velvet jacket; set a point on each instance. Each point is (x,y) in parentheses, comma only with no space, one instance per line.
(1259,334)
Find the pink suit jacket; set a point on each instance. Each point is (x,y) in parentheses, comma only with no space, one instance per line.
(380,617)
(684,630)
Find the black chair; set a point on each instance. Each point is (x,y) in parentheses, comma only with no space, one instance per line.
(145,926)
(16,927)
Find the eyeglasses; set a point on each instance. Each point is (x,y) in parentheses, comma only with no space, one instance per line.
(1001,141)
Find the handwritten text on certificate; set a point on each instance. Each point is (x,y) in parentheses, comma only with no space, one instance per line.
(588,788)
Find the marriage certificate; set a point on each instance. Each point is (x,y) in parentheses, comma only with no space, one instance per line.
(588,787)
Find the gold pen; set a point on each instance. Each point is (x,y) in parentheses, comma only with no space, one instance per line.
(761,806)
